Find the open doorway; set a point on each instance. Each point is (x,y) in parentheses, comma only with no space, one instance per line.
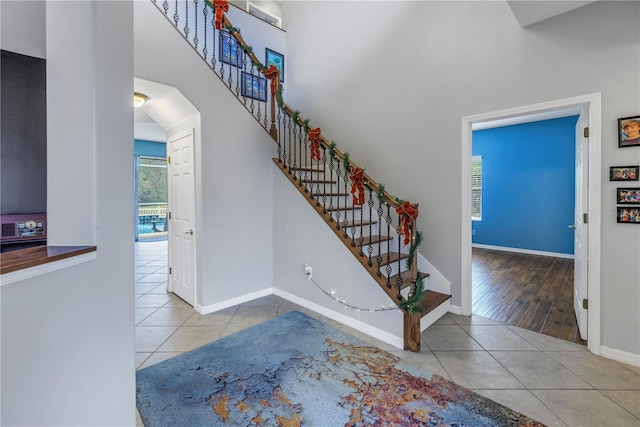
(588,107)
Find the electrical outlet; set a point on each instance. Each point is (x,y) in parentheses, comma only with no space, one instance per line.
(308,270)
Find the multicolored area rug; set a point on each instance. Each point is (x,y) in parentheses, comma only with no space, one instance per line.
(298,371)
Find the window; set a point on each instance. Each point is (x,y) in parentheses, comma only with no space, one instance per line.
(151,192)
(476,188)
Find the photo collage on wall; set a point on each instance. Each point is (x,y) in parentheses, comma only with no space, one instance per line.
(627,198)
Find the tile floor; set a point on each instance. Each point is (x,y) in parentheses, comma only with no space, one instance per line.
(556,382)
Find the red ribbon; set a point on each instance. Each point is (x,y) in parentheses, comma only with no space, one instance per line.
(273,74)
(357,189)
(314,140)
(220,6)
(408,213)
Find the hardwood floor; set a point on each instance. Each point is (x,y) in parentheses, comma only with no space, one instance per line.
(529,291)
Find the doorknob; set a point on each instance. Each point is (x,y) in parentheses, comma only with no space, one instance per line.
(189,232)
(572,226)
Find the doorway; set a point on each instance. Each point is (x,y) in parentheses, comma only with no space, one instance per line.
(587,106)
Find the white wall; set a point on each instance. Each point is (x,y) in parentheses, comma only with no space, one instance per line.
(302,237)
(18,15)
(391,84)
(233,165)
(68,336)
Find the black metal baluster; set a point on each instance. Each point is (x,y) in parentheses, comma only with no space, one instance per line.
(370,247)
(379,211)
(331,159)
(281,138)
(338,179)
(231,57)
(388,267)
(305,141)
(289,126)
(195,31)
(324,179)
(345,220)
(186,22)
(214,53)
(399,281)
(205,12)
(176,17)
(165,6)
(294,141)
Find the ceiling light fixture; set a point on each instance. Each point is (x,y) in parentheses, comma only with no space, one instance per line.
(139,99)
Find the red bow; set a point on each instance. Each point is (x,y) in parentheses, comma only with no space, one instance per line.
(220,6)
(273,74)
(314,140)
(408,213)
(357,189)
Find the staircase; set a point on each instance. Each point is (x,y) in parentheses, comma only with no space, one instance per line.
(378,228)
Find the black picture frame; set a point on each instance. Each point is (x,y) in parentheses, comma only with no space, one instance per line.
(628,196)
(274,58)
(253,87)
(628,215)
(626,125)
(624,173)
(228,49)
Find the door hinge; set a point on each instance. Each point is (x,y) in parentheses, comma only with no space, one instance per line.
(169,159)
(169,215)
(585,218)
(586,132)
(170,270)
(585,304)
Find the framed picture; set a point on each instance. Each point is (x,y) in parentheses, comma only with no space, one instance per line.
(628,215)
(629,131)
(229,51)
(277,59)
(254,87)
(628,196)
(623,173)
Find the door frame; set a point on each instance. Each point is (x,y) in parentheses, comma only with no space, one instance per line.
(591,103)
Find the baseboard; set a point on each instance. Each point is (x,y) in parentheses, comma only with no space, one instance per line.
(212,308)
(620,356)
(345,320)
(455,309)
(522,251)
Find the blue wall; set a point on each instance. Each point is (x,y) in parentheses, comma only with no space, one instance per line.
(149,148)
(528,185)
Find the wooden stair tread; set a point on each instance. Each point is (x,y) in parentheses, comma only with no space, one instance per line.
(391,257)
(407,278)
(367,240)
(432,300)
(358,223)
(346,208)
(317,181)
(334,194)
(307,168)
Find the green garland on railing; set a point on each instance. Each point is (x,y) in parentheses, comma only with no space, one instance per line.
(380,194)
(413,248)
(412,304)
(294,117)
(232,29)
(345,161)
(332,150)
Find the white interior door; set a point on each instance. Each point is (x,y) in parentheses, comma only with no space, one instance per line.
(181,195)
(579,225)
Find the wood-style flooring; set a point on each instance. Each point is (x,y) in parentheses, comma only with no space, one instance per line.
(529,291)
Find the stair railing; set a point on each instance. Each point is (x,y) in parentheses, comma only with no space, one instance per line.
(380,226)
